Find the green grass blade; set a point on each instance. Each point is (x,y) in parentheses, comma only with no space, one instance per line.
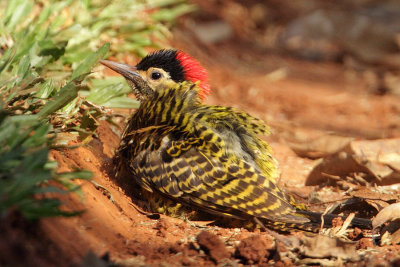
(89,62)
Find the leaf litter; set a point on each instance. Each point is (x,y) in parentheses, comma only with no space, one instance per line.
(361,161)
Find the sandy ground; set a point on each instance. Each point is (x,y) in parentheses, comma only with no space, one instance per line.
(307,100)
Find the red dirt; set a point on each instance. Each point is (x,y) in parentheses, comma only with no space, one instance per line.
(213,246)
(365,243)
(312,98)
(254,250)
(337,222)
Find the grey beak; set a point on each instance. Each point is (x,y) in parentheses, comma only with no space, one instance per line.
(139,86)
(128,71)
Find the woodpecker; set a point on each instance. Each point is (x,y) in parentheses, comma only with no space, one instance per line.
(210,158)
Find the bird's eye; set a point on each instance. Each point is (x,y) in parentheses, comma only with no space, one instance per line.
(155,75)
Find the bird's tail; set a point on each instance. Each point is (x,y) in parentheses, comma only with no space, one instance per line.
(315,224)
(316,217)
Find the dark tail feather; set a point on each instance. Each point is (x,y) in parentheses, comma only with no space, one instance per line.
(315,218)
(315,222)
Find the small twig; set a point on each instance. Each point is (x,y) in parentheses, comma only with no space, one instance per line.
(195,225)
(346,224)
(331,176)
(229,238)
(330,201)
(150,215)
(109,195)
(322,217)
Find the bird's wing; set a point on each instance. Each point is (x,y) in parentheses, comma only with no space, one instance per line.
(247,128)
(197,171)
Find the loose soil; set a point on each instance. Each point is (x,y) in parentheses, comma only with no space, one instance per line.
(310,99)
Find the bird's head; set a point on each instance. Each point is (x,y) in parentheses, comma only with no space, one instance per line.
(161,70)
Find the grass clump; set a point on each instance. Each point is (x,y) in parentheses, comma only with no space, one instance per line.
(47,52)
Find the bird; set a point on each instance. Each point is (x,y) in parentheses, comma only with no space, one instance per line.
(186,155)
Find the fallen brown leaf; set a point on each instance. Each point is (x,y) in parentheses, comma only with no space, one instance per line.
(321,146)
(375,162)
(390,213)
(322,246)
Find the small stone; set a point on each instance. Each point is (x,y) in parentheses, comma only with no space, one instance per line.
(365,243)
(212,246)
(253,250)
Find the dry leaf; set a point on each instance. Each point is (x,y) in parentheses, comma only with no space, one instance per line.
(363,208)
(390,213)
(391,237)
(321,246)
(378,161)
(321,146)
(381,157)
(396,237)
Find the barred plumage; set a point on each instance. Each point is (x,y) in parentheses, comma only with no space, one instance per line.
(209,157)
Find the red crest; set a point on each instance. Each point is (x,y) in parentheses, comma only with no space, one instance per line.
(194,72)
